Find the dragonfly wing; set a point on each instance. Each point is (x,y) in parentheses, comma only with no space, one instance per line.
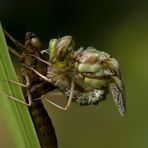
(118,93)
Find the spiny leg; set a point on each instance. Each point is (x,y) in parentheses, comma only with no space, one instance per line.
(69,99)
(39,74)
(18,83)
(27,85)
(18,44)
(48,63)
(70,95)
(13,51)
(50,81)
(42,76)
(15,99)
(27,88)
(51,102)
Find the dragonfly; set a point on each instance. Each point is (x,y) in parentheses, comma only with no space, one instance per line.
(84,76)
(34,86)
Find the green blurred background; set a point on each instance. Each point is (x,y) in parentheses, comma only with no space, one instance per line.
(120,27)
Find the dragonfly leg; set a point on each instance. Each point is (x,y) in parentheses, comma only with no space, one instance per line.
(20,101)
(17,100)
(39,74)
(68,102)
(28,88)
(21,84)
(54,104)
(13,51)
(17,44)
(70,95)
(27,85)
(29,97)
(48,63)
(12,81)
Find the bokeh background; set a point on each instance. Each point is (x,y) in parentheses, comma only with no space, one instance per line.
(120,27)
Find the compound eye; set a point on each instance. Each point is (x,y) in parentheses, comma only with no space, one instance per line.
(64,47)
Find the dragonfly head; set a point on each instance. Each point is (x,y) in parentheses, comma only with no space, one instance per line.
(32,43)
(60,51)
